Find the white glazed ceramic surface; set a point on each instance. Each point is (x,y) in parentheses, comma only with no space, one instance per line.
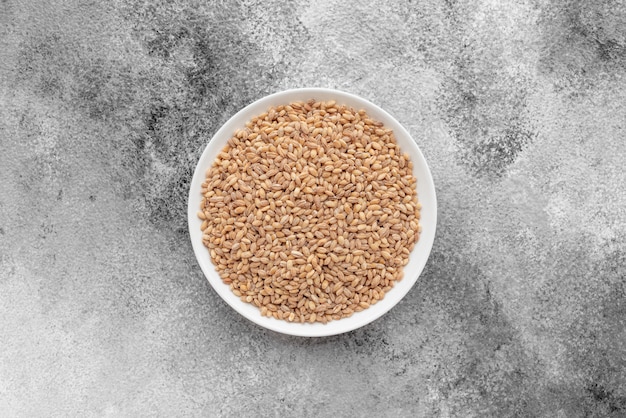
(418,257)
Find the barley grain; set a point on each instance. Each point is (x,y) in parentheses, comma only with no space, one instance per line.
(310,212)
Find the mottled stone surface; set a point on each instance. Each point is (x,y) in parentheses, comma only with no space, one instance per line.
(519,107)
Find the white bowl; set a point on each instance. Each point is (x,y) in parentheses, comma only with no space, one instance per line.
(417,259)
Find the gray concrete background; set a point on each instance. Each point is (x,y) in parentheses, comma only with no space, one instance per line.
(519,107)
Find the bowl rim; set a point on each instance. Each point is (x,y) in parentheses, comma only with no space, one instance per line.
(417,260)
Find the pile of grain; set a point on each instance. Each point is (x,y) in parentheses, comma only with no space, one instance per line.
(310,212)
